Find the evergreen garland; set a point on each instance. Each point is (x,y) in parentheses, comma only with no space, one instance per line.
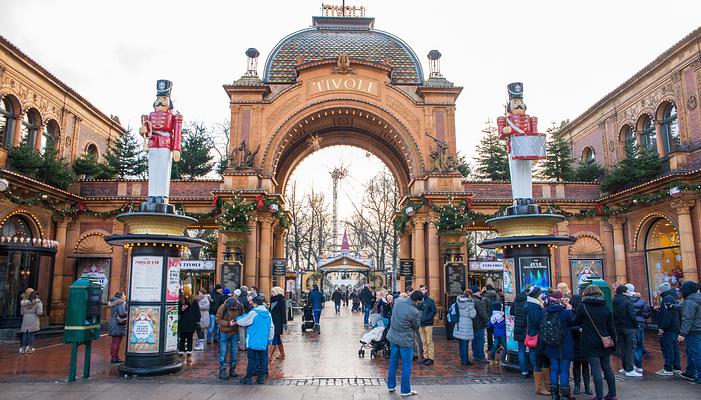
(456,217)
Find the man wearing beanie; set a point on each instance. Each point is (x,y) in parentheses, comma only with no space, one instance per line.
(668,324)
(690,331)
(479,323)
(626,329)
(229,335)
(260,332)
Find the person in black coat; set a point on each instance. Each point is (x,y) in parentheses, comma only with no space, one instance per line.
(669,323)
(626,329)
(580,367)
(367,299)
(596,321)
(218,299)
(520,322)
(336,297)
(188,320)
(534,315)
(278,312)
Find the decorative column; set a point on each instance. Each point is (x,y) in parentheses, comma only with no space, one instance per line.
(609,258)
(58,304)
(418,252)
(221,248)
(404,252)
(251,271)
(564,255)
(16,138)
(660,137)
(117,267)
(686,239)
(619,249)
(266,239)
(434,269)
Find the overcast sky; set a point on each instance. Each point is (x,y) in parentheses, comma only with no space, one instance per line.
(568,54)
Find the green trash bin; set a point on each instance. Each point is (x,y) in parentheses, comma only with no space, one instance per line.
(603,286)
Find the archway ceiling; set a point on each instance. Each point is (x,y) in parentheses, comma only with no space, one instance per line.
(345,126)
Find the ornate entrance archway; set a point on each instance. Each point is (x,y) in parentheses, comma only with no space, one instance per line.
(342,82)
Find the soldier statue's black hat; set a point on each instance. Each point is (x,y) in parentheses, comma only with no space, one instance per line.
(163,87)
(515,90)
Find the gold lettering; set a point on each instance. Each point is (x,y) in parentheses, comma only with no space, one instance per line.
(345,83)
(318,86)
(327,85)
(336,84)
(369,89)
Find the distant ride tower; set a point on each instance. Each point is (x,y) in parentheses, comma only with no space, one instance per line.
(337,174)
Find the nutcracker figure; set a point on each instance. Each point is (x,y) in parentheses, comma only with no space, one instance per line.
(161,130)
(524,143)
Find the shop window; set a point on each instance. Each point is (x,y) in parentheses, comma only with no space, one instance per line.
(662,255)
(649,135)
(31,123)
(670,129)
(588,155)
(7,121)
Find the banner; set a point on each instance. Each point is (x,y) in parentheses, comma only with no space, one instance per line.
(511,344)
(535,271)
(173,279)
(97,269)
(146,278)
(486,266)
(583,269)
(144,329)
(171,342)
(197,265)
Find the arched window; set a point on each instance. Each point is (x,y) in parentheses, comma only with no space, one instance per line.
(649,136)
(662,255)
(30,127)
(670,128)
(18,227)
(92,151)
(50,134)
(7,121)
(588,155)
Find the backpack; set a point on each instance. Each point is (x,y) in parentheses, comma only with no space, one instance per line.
(453,314)
(551,331)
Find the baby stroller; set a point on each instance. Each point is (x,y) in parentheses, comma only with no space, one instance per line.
(307,317)
(375,339)
(356,304)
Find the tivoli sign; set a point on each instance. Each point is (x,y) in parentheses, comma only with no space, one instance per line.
(343,83)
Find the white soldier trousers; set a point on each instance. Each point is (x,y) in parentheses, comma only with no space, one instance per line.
(159,164)
(521,178)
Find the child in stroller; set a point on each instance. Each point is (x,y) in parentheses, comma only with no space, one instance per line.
(356,304)
(307,317)
(375,339)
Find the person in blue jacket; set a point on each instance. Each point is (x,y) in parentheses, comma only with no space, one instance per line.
(259,335)
(316,298)
(562,354)
(498,325)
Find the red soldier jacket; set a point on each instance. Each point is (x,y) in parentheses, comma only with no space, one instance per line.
(524,122)
(164,121)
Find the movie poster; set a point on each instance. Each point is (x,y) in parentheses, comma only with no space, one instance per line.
(146,278)
(509,282)
(171,342)
(173,279)
(583,269)
(97,269)
(144,329)
(511,344)
(535,271)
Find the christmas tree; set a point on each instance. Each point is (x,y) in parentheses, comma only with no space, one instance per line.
(558,165)
(235,215)
(125,158)
(492,158)
(195,158)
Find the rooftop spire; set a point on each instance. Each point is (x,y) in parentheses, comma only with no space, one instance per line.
(345,246)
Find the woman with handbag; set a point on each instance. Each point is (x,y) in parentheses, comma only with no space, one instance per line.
(188,321)
(597,343)
(118,323)
(31,308)
(534,315)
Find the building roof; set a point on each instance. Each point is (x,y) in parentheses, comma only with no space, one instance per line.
(16,51)
(696,34)
(332,36)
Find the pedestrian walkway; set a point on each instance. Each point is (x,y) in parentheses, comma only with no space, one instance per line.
(314,363)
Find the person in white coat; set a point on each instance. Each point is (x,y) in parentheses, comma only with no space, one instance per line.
(203,300)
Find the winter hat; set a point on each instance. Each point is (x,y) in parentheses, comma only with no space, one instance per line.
(227,291)
(259,300)
(533,291)
(664,287)
(244,289)
(556,297)
(237,292)
(496,306)
(232,303)
(217,286)
(621,289)
(689,288)
(474,289)
(630,289)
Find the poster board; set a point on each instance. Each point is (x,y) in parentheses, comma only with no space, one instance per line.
(146,278)
(583,269)
(231,274)
(144,329)
(509,279)
(535,271)
(511,344)
(97,269)
(406,267)
(173,279)
(279,266)
(171,340)
(455,280)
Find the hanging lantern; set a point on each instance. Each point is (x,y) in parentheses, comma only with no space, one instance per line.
(274,207)
(410,211)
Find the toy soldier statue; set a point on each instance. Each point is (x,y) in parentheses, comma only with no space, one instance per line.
(162,130)
(524,144)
